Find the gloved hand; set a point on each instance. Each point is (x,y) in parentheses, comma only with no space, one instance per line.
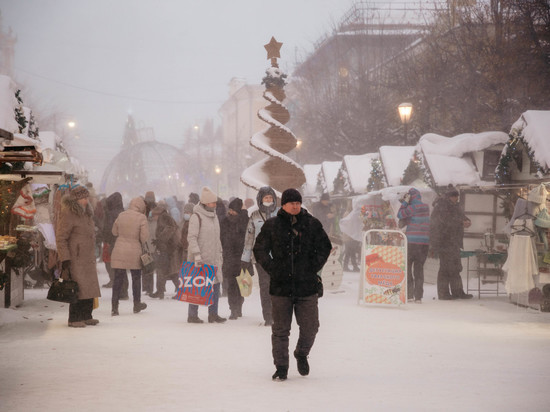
(66,265)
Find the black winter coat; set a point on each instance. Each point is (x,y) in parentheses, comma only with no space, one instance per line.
(114,207)
(446,225)
(292,249)
(232,233)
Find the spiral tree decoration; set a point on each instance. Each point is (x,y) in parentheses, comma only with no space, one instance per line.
(277,170)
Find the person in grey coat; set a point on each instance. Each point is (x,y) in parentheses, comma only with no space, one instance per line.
(267,208)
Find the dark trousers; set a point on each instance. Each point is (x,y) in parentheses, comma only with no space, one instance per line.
(81,310)
(416,257)
(147,280)
(448,276)
(352,249)
(265,298)
(193,310)
(234,297)
(120,274)
(162,278)
(307,316)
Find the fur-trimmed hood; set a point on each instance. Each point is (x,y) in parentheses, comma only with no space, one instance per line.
(74,206)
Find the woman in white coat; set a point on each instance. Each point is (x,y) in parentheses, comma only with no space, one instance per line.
(205,247)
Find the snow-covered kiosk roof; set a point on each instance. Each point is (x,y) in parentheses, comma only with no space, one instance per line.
(355,170)
(327,174)
(395,160)
(535,127)
(452,160)
(310,186)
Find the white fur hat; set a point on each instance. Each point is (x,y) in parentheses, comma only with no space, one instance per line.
(208,196)
(538,194)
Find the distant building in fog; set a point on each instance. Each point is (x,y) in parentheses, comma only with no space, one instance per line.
(239,122)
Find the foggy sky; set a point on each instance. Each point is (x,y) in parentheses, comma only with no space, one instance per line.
(167,62)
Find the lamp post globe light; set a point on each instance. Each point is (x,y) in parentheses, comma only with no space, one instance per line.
(405,112)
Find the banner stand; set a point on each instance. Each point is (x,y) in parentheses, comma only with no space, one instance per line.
(383,274)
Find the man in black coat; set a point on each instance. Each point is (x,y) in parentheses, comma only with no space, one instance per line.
(292,248)
(447,225)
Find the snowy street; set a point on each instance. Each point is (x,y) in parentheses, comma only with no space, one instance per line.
(468,355)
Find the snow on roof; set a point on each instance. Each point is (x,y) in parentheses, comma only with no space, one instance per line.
(445,158)
(312,173)
(23,140)
(7,103)
(49,140)
(535,125)
(461,144)
(330,171)
(358,168)
(395,160)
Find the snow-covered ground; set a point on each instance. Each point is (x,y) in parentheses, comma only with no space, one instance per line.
(476,355)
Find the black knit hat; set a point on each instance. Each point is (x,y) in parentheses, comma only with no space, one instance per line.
(236,204)
(291,195)
(451,191)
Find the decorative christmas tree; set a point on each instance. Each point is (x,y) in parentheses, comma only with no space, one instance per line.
(33,127)
(376,179)
(19,114)
(277,170)
(416,171)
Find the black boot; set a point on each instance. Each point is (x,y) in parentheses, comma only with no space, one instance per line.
(280,374)
(233,315)
(303,365)
(114,309)
(138,307)
(157,295)
(216,319)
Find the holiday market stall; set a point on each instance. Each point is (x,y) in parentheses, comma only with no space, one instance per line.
(524,168)
(29,166)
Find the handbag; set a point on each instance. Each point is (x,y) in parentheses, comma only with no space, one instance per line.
(320,289)
(244,280)
(147,260)
(63,290)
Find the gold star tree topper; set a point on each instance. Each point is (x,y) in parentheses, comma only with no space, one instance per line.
(273,53)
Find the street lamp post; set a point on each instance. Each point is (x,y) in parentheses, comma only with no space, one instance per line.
(218,170)
(298,147)
(405,111)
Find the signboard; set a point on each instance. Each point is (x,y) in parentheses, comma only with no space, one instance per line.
(384,268)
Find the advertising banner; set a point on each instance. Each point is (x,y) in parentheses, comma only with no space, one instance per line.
(384,268)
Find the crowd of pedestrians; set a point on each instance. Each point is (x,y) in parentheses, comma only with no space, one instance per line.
(285,246)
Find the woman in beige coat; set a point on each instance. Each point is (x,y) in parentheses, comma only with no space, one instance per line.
(75,240)
(132,231)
